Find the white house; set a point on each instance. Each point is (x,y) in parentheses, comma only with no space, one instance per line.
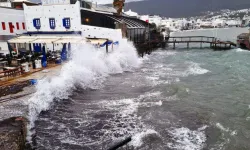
(132,14)
(12,21)
(218,23)
(144,18)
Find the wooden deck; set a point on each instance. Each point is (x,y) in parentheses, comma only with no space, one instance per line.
(18,76)
(212,41)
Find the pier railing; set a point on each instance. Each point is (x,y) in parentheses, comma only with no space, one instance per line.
(212,41)
(191,39)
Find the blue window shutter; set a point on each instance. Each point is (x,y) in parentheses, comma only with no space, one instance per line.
(37,23)
(66,23)
(52,23)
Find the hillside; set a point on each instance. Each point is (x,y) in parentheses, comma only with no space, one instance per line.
(184,8)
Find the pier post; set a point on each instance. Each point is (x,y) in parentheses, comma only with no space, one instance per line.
(174,43)
(201,45)
(188,45)
(107,47)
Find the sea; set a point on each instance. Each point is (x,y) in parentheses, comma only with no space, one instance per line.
(182,99)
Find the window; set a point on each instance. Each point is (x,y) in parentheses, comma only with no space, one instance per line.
(3,26)
(66,23)
(37,23)
(52,23)
(17,26)
(23,26)
(11,27)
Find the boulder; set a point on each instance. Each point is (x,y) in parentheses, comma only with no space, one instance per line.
(13,133)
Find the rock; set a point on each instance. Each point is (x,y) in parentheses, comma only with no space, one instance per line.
(13,133)
(13,88)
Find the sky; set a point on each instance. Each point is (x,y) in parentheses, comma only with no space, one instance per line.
(111,1)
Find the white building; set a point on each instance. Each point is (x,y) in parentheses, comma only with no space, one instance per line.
(157,20)
(77,21)
(144,18)
(218,23)
(132,14)
(246,21)
(12,21)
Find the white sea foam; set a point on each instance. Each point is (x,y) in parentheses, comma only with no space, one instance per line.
(87,69)
(195,69)
(186,139)
(224,129)
(241,50)
(137,139)
(220,126)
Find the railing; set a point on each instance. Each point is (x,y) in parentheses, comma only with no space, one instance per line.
(11,72)
(191,39)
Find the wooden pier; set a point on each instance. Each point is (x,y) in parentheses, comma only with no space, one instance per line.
(212,41)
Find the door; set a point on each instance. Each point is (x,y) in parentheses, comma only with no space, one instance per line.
(11,27)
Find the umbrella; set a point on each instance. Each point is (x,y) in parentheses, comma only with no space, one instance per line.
(44,58)
(69,50)
(64,53)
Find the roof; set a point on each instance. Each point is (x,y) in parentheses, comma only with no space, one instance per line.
(23,1)
(103,8)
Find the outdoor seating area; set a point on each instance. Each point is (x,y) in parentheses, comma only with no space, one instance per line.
(25,59)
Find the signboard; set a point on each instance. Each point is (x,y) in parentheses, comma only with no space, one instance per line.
(3,0)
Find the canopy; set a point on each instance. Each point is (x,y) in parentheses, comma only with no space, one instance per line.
(45,40)
(22,39)
(75,40)
(97,41)
(48,39)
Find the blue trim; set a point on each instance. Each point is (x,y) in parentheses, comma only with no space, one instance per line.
(52,23)
(66,23)
(37,23)
(54,32)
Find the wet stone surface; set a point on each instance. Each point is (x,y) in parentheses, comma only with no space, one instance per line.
(13,133)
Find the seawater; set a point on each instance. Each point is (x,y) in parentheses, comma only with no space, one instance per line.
(183,99)
(172,99)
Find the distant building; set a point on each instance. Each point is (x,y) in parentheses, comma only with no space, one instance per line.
(217,23)
(155,19)
(132,14)
(246,21)
(12,21)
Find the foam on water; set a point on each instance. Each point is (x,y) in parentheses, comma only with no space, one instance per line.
(195,69)
(224,129)
(137,139)
(87,68)
(186,139)
(241,50)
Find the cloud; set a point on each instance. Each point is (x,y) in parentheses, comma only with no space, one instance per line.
(111,1)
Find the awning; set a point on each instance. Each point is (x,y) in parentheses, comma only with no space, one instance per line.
(97,41)
(22,39)
(75,40)
(45,40)
(48,39)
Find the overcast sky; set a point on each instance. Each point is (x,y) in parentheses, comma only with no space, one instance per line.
(110,1)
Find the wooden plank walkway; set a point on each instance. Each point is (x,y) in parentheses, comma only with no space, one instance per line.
(214,43)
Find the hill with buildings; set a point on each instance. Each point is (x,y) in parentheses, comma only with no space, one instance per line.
(184,8)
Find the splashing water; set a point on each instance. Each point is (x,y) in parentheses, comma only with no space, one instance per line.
(87,68)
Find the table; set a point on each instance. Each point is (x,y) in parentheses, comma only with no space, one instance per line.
(3,64)
(9,68)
